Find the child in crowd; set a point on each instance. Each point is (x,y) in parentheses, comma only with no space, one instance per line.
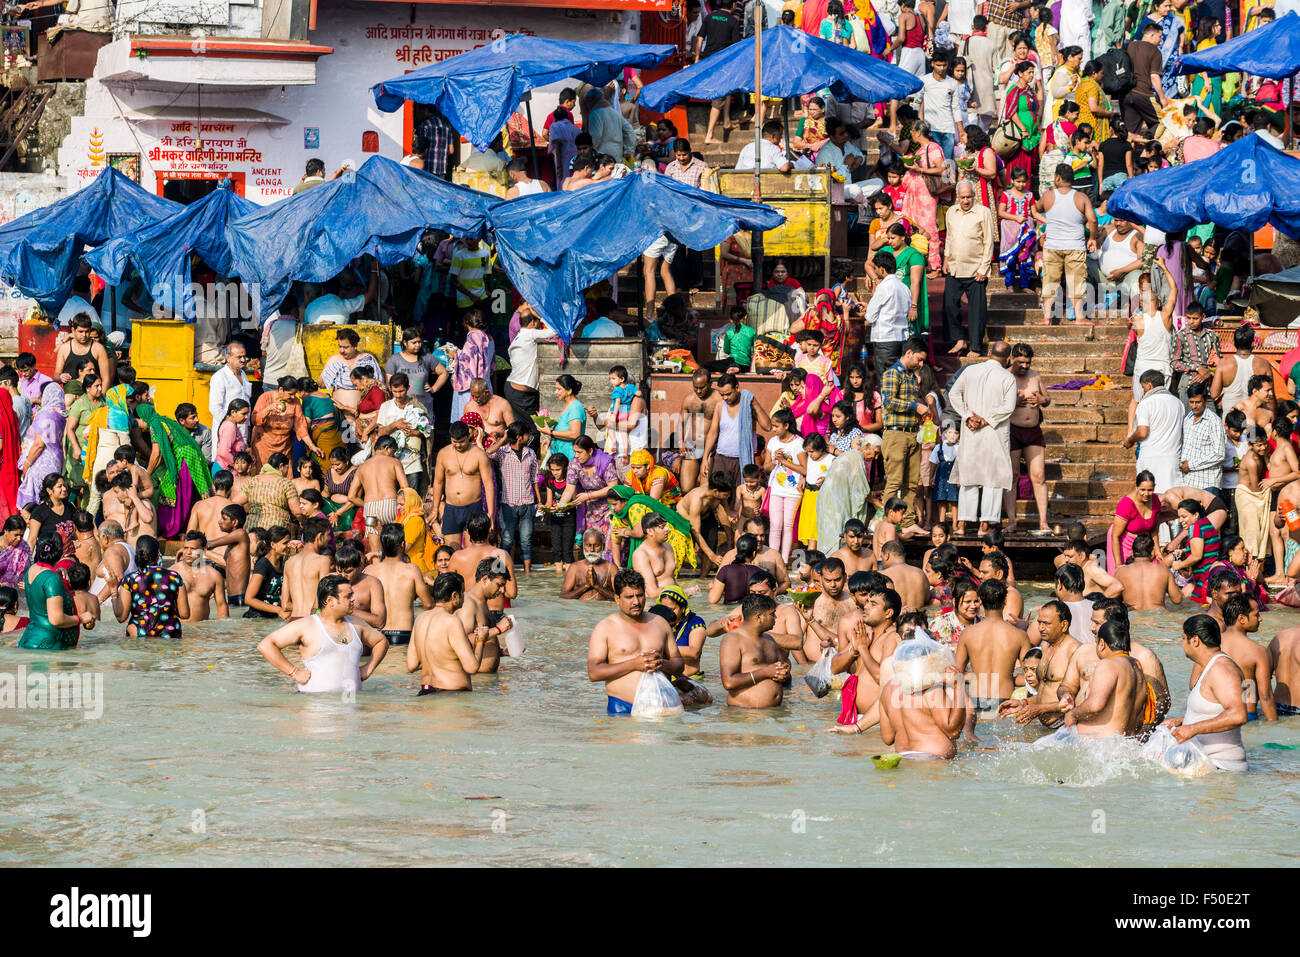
(750,494)
(945,493)
(887,527)
(816,460)
(1019,239)
(563,521)
(79,583)
(786,481)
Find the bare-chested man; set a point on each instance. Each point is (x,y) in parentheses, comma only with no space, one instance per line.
(489,581)
(118,561)
(304,569)
(462,482)
(654,559)
(592,578)
(863,642)
(767,557)
(123,504)
(465,562)
(1220,585)
(822,621)
(992,648)
(86,543)
(205,517)
(751,665)
(1147,583)
(204,585)
(367,592)
(1027,432)
(1118,692)
(1259,406)
(1114,609)
(401,583)
(910,582)
(1058,647)
(377,488)
(697,413)
(1284,659)
(852,553)
(1241,612)
(1095,578)
(494,410)
(235,563)
(924,725)
(705,507)
(630,642)
(440,648)
(338,664)
(994,565)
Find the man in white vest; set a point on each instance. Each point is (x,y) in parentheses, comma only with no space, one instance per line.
(984,395)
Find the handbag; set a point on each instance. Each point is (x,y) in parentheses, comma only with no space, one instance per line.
(1006,139)
(297,365)
(1130,353)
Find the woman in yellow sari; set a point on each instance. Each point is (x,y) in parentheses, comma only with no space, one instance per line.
(420,545)
(655,481)
(627,508)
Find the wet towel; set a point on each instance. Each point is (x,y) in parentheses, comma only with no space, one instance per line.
(1252,519)
(849,701)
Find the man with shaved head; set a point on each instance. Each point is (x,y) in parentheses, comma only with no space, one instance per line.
(967,258)
(494,410)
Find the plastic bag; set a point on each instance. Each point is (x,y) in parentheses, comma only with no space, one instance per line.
(920,663)
(656,697)
(1187,759)
(818,677)
(515,643)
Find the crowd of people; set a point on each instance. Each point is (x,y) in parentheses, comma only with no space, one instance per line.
(331,505)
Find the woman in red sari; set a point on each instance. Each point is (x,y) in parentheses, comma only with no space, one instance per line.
(9,446)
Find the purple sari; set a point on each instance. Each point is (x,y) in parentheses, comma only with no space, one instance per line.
(48,424)
(14,562)
(599,472)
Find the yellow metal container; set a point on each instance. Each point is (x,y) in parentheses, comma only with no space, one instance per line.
(321,342)
(162,353)
(495,184)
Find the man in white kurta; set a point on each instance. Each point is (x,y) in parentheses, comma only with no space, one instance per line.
(984,395)
(1076,26)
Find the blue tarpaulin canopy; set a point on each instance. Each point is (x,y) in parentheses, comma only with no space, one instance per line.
(478,90)
(1271,51)
(161,251)
(794,63)
(1243,186)
(555,245)
(40,252)
(380,209)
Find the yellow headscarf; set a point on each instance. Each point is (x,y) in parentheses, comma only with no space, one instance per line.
(641,457)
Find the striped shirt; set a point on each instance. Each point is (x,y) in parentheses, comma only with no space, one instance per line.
(1203,448)
(901,393)
(1209,536)
(1192,350)
(518,475)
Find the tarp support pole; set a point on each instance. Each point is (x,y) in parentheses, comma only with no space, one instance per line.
(532,152)
(755,237)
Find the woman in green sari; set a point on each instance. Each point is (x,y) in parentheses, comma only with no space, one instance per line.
(627,508)
(85,401)
(322,419)
(177,465)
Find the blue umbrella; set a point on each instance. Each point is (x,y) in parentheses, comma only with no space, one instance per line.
(1272,51)
(555,245)
(1243,186)
(380,209)
(794,63)
(40,252)
(478,90)
(161,251)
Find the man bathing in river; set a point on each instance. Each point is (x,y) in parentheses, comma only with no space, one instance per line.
(752,668)
(489,581)
(304,569)
(1118,694)
(204,585)
(331,643)
(401,583)
(991,647)
(591,579)
(440,649)
(630,643)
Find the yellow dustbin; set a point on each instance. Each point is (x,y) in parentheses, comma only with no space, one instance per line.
(162,354)
(321,342)
(495,184)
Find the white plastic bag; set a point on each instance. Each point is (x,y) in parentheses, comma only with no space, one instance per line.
(818,677)
(920,663)
(1187,759)
(515,643)
(656,698)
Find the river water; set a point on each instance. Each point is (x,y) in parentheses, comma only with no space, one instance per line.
(204,756)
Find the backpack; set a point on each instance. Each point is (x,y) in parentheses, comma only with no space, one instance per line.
(1116,72)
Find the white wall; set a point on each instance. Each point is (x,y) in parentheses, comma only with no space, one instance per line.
(21,193)
(372,42)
